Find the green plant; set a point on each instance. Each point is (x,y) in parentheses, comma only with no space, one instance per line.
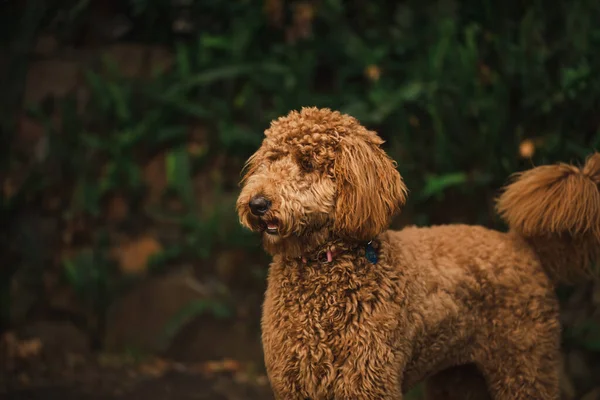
(456,89)
(96,283)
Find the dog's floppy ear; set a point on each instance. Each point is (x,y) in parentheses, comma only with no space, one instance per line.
(369,188)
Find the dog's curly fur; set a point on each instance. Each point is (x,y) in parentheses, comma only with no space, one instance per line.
(469,310)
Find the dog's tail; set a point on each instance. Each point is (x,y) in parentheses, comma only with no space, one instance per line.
(556,208)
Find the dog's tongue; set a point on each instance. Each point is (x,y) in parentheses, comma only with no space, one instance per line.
(271,225)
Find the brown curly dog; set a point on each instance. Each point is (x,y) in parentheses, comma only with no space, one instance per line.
(353,311)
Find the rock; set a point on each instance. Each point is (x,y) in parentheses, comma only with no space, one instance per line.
(59,76)
(53,77)
(209,338)
(137,61)
(138,319)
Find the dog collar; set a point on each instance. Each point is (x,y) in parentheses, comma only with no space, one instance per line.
(326,256)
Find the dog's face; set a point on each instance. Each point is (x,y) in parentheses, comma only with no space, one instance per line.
(318,175)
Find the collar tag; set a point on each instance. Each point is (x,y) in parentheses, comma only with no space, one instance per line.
(371,253)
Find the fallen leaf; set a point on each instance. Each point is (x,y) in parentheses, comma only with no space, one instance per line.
(155,368)
(29,348)
(133,257)
(17,348)
(231,365)
(220,366)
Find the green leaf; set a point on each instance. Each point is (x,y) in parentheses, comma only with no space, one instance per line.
(94,142)
(595,144)
(160,260)
(170,133)
(587,334)
(120,103)
(211,76)
(395,99)
(571,76)
(187,107)
(134,174)
(415,393)
(110,178)
(98,88)
(71,274)
(183,62)
(214,42)
(81,272)
(86,197)
(440,50)
(222,74)
(242,97)
(435,185)
(179,174)
(77,9)
(233,136)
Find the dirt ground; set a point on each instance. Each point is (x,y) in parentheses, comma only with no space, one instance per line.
(149,380)
(34,368)
(171,386)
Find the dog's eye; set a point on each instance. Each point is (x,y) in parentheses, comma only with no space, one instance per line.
(272,157)
(306,164)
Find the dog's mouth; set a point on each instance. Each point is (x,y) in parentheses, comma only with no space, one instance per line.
(271,226)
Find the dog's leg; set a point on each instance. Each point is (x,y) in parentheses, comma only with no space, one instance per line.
(458,383)
(529,375)
(370,373)
(387,391)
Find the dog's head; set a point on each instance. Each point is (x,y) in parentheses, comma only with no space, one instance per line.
(318,175)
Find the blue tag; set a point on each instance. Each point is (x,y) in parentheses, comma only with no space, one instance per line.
(371,254)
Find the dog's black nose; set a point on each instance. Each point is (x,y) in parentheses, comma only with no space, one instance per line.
(259,205)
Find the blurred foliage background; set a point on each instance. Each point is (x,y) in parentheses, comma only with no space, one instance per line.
(125,125)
